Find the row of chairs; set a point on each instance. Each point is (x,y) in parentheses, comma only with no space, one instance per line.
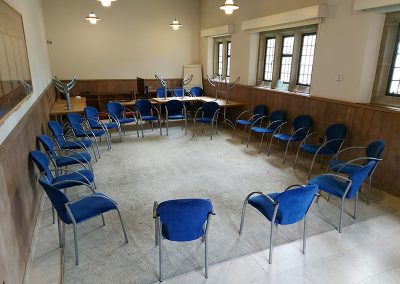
(179,92)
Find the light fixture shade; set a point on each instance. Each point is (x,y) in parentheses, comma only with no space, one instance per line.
(92,18)
(175,25)
(229,7)
(106,3)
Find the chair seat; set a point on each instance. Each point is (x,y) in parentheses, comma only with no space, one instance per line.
(336,165)
(204,119)
(91,206)
(109,125)
(85,133)
(126,120)
(331,185)
(149,118)
(287,137)
(73,159)
(312,149)
(68,180)
(265,206)
(244,122)
(262,130)
(178,116)
(76,144)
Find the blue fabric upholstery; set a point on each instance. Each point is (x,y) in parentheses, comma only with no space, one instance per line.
(196,91)
(244,122)
(302,124)
(76,122)
(47,144)
(160,92)
(209,109)
(312,149)
(83,209)
(93,116)
(57,131)
(42,163)
(145,107)
(335,131)
(179,92)
(204,119)
(183,219)
(293,204)
(71,145)
(258,111)
(175,109)
(276,119)
(375,149)
(335,186)
(116,111)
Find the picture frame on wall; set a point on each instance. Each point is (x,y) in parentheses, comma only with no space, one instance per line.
(15,75)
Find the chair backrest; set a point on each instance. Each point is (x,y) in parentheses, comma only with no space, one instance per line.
(294,203)
(58,199)
(144,107)
(259,111)
(93,115)
(375,149)
(183,219)
(335,131)
(41,161)
(174,107)
(160,92)
(277,115)
(75,120)
(179,92)
(115,109)
(47,144)
(358,178)
(57,131)
(209,109)
(302,121)
(196,91)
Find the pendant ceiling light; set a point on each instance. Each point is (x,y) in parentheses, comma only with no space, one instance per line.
(106,3)
(92,18)
(229,7)
(175,25)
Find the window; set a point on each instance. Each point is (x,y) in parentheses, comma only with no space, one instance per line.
(306,59)
(269,59)
(220,58)
(394,78)
(286,58)
(228,59)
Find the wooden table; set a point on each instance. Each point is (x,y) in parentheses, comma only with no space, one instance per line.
(60,107)
(221,102)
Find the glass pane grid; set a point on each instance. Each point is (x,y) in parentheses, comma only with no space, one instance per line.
(306,59)
(286,60)
(228,59)
(220,59)
(394,82)
(269,59)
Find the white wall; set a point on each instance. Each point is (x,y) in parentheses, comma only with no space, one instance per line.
(348,44)
(38,58)
(133,38)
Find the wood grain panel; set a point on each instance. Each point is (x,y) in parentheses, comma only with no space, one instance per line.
(19,193)
(365,122)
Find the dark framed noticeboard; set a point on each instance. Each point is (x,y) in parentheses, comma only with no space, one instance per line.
(15,75)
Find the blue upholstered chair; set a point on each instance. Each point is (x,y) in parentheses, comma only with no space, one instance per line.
(147,112)
(78,211)
(209,112)
(175,110)
(275,120)
(258,111)
(284,208)
(118,114)
(79,128)
(373,152)
(162,91)
(70,179)
(301,127)
(68,142)
(60,161)
(182,220)
(343,187)
(335,135)
(93,117)
(179,92)
(196,92)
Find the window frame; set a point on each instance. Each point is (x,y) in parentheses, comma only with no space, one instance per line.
(301,54)
(228,58)
(220,56)
(282,55)
(395,53)
(267,38)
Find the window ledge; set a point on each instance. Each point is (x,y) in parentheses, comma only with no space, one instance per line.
(282,91)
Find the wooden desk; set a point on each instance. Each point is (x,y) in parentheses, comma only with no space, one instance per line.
(133,102)
(184,99)
(60,106)
(221,102)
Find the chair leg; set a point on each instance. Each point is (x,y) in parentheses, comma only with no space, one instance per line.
(94,153)
(305,234)
(122,225)
(243,215)
(156,232)
(329,197)
(369,190)
(76,243)
(248,138)
(262,138)
(185,126)
(206,257)
(159,123)
(102,218)
(212,128)
(286,150)
(355,206)
(341,215)
(270,144)
(312,165)
(53,213)
(141,126)
(194,127)
(160,250)
(271,237)
(297,156)
(120,133)
(59,226)
(167,125)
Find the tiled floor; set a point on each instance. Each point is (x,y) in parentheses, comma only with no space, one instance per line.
(367,252)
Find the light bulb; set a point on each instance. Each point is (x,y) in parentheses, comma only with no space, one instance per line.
(92,18)
(229,7)
(106,3)
(175,25)
(92,21)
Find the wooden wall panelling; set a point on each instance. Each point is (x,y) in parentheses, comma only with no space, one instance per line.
(19,192)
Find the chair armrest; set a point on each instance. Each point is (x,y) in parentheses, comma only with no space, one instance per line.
(260,118)
(326,143)
(346,149)
(74,181)
(279,127)
(75,172)
(77,142)
(309,135)
(158,112)
(99,122)
(338,176)
(92,196)
(155,215)
(300,129)
(75,159)
(242,113)
(131,111)
(351,162)
(113,116)
(216,114)
(293,185)
(197,111)
(266,195)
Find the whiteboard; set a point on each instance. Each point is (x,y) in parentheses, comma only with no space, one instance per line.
(195,70)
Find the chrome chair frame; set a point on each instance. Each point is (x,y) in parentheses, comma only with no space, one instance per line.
(103,126)
(326,142)
(159,238)
(215,118)
(276,206)
(116,119)
(245,126)
(152,122)
(184,120)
